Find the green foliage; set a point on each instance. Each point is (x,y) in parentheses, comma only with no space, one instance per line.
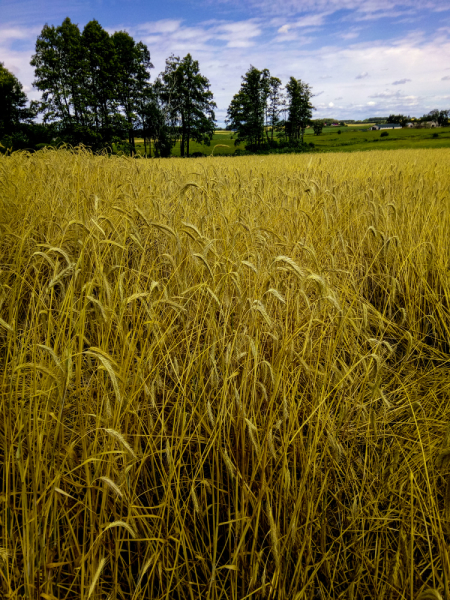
(401,119)
(90,82)
(188,100)
(384,134)
(132,75)
(300,108)
(439,116)
(317,126)
(275,106)
(247,109)
(13,100)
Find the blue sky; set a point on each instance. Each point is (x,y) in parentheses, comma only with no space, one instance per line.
(363,58)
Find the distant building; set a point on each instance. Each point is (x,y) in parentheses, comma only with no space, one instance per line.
(423,124)
(386,126)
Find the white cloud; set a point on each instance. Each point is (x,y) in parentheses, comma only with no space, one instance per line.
(350,35)
(331,104)
(226,49)
(386,94)
(369,9)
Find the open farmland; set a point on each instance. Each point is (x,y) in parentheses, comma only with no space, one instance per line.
(353,138)
(225,378)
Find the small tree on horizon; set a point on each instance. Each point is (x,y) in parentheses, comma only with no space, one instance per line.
(317,126)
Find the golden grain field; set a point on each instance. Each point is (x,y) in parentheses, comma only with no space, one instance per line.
(225,378)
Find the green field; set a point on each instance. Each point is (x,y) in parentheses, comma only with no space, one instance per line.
(352,138)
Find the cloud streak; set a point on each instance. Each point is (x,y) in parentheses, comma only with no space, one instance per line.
(319,45)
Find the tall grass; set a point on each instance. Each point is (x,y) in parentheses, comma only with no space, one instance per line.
(225,378)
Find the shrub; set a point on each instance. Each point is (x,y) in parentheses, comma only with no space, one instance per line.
(384,134)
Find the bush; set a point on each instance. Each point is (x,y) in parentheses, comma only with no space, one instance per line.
(384,134)
(435,135)
(197,154)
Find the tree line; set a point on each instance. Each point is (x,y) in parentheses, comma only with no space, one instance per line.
(96,90)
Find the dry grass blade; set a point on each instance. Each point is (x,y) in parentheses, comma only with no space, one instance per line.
(120,524)
(119,437)
(108,366)
(96,577)
(430,594)
(292,264)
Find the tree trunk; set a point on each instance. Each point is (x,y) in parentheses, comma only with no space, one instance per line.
(187,138)
(131,140)
(182,143)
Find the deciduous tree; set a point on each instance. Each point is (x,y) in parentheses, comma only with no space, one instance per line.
(132,76)
(247,109)
(300,108)
(60,72)
(13,101)
(189,101)
(275,104)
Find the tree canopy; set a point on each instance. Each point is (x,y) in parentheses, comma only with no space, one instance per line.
(300,108)
(247,111)
(189,100)
(90,81)
(13,100)
(96,90)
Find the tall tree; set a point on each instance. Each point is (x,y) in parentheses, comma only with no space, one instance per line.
(132,76)
(99,80)
(189,100)
(60,71)
(13,100)
(156,121)
(300,108)
(247,109)
(90,82)
(276,103)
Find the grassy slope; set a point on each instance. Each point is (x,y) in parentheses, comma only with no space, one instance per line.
(232,389)
(352,138)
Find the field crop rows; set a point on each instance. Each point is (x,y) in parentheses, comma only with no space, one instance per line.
(224,378)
